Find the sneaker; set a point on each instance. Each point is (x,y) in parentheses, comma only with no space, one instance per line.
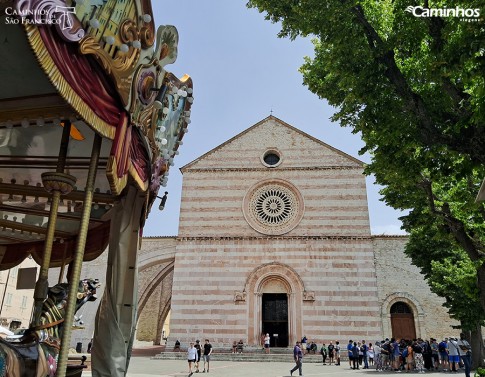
(291,373)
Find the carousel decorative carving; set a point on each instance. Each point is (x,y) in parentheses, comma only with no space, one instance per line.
(35,353)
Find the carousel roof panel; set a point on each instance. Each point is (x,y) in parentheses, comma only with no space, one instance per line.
(20,74)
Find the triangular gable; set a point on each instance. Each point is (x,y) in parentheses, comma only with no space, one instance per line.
(338,159)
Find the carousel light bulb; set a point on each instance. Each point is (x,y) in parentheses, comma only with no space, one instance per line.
(165,110)
(110,40)
(164,141)
(40,122)
(177,152)
(96,206)
(136,44)
(187,113)
(94,23)
(180,92)
(162,129)
(190,99)
(25,123)
(190,90)
(184,94)
(164,184)
(9,124)
(157,105)
(57,122)
(147,18)
(124,48)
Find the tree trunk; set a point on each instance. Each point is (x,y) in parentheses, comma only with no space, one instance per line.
(481,284)
(478,350)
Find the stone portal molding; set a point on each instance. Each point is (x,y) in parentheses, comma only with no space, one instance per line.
(273,207)
(413,303)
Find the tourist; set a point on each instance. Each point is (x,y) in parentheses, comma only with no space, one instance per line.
(365,355)
(297,356)
(453,355)
(385,352)
(207,354)
(377,356)
(465,351)
(191,357)
(418,356)
(267,339)
(331,349)
(336,352)
(361,353)
(323,352)
(303,343)
(370,353)
(408,355)
(349,352)
(199,353)
(394,355)
(427,355)
(355,356)
(435,354)
(240,346)
(443,352)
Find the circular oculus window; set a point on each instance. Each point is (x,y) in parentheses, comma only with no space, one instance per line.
(273,207)
(271,158)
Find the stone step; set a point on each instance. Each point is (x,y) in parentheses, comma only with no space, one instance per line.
(256,357)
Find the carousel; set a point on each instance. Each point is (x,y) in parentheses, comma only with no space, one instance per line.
(90,123)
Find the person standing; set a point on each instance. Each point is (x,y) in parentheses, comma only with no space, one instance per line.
(465,351)
(365,355)
(191,357)
(349,352)
(298,357)
(331,349)
(207,354)
(199,353)
(323,352)
(355,356)
(453,355)
(267,340)
(337,352)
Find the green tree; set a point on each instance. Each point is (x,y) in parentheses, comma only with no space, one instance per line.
(414,88)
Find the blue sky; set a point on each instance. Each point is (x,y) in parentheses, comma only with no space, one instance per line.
(242,71)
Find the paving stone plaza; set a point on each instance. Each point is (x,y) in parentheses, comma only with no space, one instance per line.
(147,367)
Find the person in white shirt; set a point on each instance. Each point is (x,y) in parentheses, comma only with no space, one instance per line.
(453,355)
(377,356)
(191,357)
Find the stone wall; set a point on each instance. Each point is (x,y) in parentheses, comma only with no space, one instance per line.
(399,280)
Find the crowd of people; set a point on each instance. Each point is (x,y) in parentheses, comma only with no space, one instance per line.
(448,355)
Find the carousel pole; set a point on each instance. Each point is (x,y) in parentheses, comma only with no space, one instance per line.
(78,258)
(58,183)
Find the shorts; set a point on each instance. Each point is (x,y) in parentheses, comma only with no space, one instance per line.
(454,358)
(444,356)
(435,357)
(191,360)
(266,346)
(207,358)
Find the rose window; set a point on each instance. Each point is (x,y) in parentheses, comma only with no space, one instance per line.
(273,208)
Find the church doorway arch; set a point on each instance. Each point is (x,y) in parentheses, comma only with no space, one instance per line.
(275,295)
(402,321)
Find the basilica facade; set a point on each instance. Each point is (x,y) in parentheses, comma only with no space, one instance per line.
(274,237)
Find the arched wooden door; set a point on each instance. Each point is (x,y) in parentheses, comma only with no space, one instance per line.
(402,321)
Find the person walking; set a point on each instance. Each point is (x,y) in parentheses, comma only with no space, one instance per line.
(207,354)
(298,357)
(199,353)
(337,352)
(465,351)
(267,340)
(191,357)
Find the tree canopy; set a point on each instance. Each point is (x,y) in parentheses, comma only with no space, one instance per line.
(414,88)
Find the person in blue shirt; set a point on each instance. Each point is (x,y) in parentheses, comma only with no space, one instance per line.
(298,357)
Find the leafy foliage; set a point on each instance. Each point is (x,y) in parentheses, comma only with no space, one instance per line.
(414,88)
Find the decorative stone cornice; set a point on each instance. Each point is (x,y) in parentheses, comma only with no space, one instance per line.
(253,169)
(250,238)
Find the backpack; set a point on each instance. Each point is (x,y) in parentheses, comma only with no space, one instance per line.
(441,347)
(417,348)
(405,352)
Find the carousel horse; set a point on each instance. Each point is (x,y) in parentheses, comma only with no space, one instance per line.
(35,353)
